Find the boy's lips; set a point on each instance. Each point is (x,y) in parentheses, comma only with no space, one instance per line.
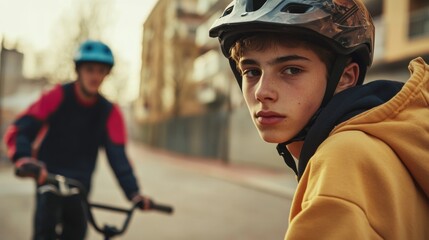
(269,117)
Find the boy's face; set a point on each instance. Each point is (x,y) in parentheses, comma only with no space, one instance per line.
(91,75)
(283,87)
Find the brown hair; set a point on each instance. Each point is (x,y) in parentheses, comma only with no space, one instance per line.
(260,42)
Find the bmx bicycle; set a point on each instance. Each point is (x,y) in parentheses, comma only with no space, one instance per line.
(64,187)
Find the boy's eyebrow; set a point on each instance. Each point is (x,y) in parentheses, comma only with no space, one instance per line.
(274,61)
(287,58)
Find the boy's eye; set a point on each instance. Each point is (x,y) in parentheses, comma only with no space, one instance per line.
(250,73)
(292,70)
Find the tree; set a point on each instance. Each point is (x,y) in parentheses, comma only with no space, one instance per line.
(84,19)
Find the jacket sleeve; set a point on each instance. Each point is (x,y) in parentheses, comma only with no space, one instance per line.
(327,217)
(115,150)
(324,209)
(20,136)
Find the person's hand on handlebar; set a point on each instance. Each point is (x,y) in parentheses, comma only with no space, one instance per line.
(143,202)
(30,167)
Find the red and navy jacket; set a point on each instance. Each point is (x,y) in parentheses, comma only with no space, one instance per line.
(67,134)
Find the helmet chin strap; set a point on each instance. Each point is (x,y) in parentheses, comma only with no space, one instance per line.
(284,152)
(336,72)
(334,77)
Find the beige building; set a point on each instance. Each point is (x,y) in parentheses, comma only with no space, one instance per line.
(402,33)
(172,108)
(169,49)
(405,29)
(185,74)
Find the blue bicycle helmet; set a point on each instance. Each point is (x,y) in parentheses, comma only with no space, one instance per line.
(94,51)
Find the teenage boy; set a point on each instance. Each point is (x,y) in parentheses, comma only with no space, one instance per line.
(72,121)
(362,151)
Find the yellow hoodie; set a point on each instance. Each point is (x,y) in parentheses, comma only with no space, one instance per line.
(370,178)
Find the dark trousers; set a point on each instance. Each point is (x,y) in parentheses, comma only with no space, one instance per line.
(59,217)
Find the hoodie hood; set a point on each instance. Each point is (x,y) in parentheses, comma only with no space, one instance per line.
(343,106)
(402,123)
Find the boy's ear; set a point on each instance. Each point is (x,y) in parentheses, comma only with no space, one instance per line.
(349,77)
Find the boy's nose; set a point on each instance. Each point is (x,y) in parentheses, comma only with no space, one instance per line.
(266,89)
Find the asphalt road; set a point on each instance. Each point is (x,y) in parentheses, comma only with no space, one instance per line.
(211,200)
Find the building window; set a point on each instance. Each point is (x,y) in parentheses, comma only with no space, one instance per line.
(419,18)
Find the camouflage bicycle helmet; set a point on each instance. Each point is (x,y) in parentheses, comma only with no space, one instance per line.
(344,26)
(94,51)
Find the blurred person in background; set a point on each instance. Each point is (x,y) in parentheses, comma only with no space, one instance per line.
(61,133)
(362,151)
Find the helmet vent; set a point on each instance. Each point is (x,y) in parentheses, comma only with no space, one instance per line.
(88,48)
(254,5)
(296,8)
(227,11)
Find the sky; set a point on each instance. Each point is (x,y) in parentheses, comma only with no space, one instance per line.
(31,23)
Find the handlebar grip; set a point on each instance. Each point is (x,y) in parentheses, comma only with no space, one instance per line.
(162,208)
(28,169)
(19,172)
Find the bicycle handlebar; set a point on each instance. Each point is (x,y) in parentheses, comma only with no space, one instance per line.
(66,186)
